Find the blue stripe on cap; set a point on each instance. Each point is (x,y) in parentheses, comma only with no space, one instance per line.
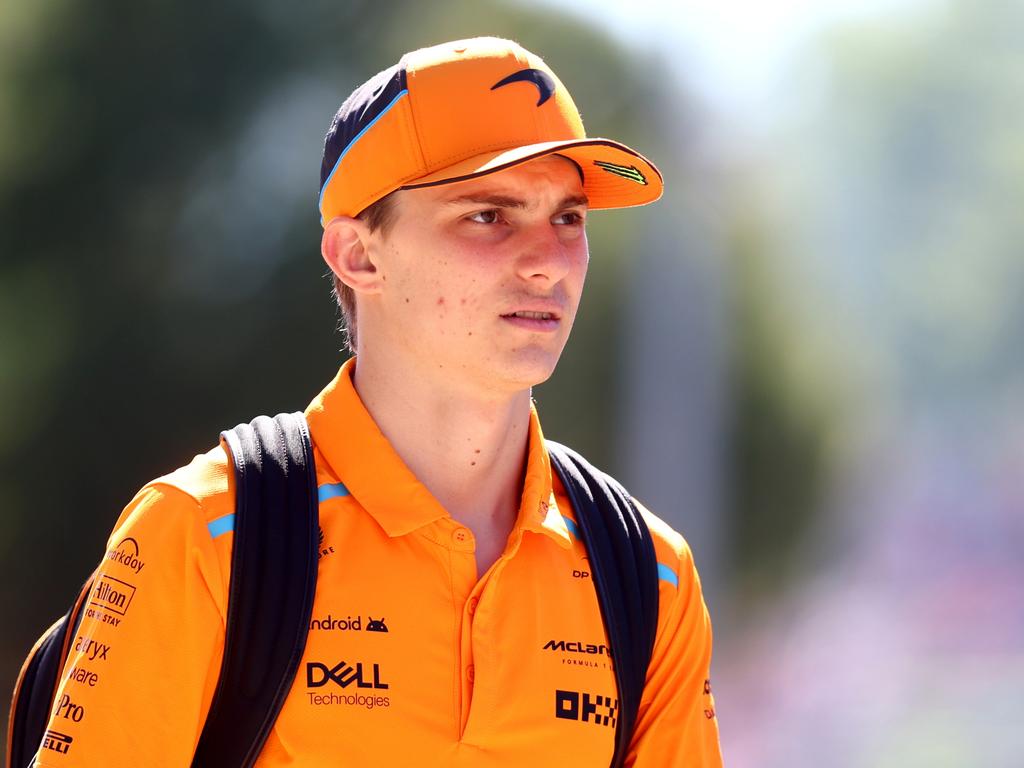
(368,126)
(331,491)
(221,525)
(571,525)
(667,574)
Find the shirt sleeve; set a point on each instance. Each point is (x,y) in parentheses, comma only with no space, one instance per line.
(143,665)
(677,725)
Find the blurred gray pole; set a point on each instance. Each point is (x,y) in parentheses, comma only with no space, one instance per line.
(674,386)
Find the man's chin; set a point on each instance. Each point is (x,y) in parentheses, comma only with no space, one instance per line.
(529,370)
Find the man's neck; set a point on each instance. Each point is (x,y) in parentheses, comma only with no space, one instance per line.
(469,451)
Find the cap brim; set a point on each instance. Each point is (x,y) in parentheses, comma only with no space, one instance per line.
(614,176)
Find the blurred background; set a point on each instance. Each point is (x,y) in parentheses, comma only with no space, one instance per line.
(807,357)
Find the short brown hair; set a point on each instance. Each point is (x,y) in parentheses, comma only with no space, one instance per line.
(378,215)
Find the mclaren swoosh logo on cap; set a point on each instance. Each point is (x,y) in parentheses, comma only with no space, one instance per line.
(544,82)
(630,172)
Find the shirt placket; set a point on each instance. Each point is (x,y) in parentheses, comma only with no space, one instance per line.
(468,592)
(462,547)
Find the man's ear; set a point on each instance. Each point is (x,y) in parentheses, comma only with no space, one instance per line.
(346,249)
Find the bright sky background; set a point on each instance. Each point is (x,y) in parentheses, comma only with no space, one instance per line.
(732,53)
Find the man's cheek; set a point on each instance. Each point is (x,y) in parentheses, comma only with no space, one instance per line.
(474,314)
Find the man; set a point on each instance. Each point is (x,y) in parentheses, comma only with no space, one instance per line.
(453,589)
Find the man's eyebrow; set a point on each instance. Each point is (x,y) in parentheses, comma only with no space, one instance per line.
(505,201)
(575,201)
(485,198)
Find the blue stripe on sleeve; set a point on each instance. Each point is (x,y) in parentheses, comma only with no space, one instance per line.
(571,525)
(664,572)
(226,524)
(331,491)
(667,574)
(221,525)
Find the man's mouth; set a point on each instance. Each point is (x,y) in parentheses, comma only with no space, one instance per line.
(534,315)
(534,320)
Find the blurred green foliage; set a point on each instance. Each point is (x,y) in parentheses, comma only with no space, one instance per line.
(783,412)
(914,170)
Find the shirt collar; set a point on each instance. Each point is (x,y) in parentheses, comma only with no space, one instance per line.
(361,457)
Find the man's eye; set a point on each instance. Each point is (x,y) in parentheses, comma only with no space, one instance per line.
(569,217)
(485,217)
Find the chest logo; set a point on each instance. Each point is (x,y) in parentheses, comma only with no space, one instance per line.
(576,653)
(586,707)
(325,550)
(343,675)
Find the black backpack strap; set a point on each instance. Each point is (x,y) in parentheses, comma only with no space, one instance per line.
(37,684)
(625,575)
(273,581)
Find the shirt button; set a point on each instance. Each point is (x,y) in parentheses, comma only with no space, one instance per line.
(472,605)
(471,673)
(460,535)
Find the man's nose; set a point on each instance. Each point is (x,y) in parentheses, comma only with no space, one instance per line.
(544,256)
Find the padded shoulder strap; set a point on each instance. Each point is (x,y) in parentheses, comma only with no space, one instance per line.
(273,580)
(37,685)
(625,575)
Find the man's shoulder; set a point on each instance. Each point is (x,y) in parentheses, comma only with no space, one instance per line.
(208,480)
(196,495)
(670,546)
(173,528)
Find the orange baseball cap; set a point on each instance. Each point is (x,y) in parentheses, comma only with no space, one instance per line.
(463,109)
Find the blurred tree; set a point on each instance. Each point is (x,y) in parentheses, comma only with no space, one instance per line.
(899,188)
(787,396)
(879,285)
(922,218)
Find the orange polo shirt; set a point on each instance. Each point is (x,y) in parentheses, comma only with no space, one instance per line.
(412,659)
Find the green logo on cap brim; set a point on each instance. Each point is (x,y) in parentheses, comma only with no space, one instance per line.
(630,172)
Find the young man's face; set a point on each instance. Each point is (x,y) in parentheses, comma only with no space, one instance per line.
(481,279)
